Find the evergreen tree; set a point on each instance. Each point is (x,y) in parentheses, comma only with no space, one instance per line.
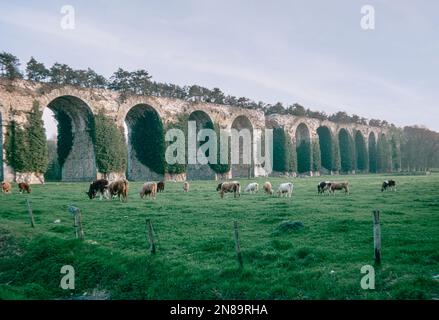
(180,124)
(109,144)
(148,140)
(36,71)
(280,154)
(316,156)
(9,66)
(336,162)
(347,152)
(304,157)
(62,74)
(37,142)
(372,154)
(396,152)
(361,153)
(291,149)
(16,147)
(384,161)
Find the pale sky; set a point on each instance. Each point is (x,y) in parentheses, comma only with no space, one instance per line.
(311,52)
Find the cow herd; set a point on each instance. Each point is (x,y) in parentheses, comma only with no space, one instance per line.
(119,188)
(22,187)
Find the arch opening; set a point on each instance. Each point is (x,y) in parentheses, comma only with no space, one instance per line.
(372,146)
(326,149)
(201,171)
(303,149)
(242,169)
(146,144)
(361,151)
(347,151)
(71,149)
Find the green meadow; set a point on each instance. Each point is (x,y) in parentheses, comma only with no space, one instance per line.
(304,247)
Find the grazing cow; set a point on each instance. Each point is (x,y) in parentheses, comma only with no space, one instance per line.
(161,186)
(186,186)
(285,189)
(227,187)
(252,188)
(339,186)
(323,186)
(100,186)
(268,188)
(388,185)
(6,187)
(24,187)
(119,189)
(149,189)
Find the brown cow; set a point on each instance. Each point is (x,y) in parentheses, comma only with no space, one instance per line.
(119,189)
(268,188)
(6,187)
(339,186)
(186,186)
(149,189)
(234,187)
(24,187)
(161,186)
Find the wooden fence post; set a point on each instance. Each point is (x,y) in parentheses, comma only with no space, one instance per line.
(377,236)
(237,244)
(79,221)
(31,215)
(150,235)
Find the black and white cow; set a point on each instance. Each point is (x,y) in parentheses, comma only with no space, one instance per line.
(98,186)
(388,185)
(323,186)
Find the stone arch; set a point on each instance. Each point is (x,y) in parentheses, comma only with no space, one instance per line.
(75,148)
(372,148)
(347,151)
(326,148)
(242,169)
(303,148)
(200,171)
(146,143)
(361,152)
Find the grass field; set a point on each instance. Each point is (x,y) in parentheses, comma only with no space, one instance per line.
(196,256)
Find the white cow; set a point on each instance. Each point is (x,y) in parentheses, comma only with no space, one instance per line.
(252,187)
(285,189)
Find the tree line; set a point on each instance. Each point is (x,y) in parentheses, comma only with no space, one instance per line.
(139,82)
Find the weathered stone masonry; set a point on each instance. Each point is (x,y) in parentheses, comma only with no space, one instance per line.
(16,100)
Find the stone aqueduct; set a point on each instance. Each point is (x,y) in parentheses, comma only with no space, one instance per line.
(16,100)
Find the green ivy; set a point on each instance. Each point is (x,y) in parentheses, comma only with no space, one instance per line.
(180,124)
(316,156)
(65,136)
(148,140)
(109,144)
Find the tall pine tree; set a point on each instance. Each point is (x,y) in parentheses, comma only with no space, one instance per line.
(16,147)
(110,146)
(37,142)
(316,156)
